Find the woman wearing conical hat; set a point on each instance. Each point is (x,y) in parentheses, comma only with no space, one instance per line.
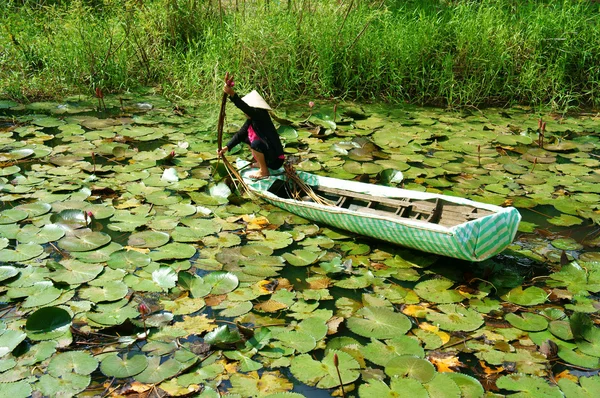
(258,132)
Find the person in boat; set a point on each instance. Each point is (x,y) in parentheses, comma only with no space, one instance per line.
(258,132)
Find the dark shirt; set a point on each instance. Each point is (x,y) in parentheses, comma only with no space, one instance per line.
(262,125)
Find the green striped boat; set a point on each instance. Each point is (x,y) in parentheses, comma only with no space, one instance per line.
(440,224)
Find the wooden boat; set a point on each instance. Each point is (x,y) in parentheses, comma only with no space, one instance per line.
(434,223)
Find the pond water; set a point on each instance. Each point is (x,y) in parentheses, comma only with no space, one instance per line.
(104,210)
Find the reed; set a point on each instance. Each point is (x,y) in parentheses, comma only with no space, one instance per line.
(453,53)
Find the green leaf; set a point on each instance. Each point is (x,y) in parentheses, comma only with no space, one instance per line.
(9,339)
(436,291)
(469,386)
(378,323)
(222,282)
(129,260)
(84,241)
(129,365)
(68,385)
(18,389)
(165,277)
(47,320)
(156,371)
(534,386)
(111,291)
(148,239)
(11,216)
(7,272)
(79,362)
(23,252)
(410,366)
(455,318)
(324,374)
(399,387)
(527,321)
(533,295)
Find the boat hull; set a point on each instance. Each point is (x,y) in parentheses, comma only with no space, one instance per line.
(475,240)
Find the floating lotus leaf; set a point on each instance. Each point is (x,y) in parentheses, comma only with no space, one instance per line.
(76,272)
(455,318)
(128,260)
(173,251)
(35,209)
(527,321)
(79,362)
(362,168)
(22,252)
(111,291)
(586,335)
(276,239)
(532,386)
(234,308)
(589,387)
(7,272)
(252,384)
(578,358)
(16,154)
(301,258)
(67,385)
(156,371)
(468,385)
(84,241)
(17,389)
(113,313)
(32,234)
(398,387)
(531,296)
(513,140)
(576,278)
(410,366)
(47,323)
(222,282)
(565,220)
(223,239)
(9,339)
(148,239)
(436,291)
(381,353)
(165,277)
(378,323)
(129,365)
(11,216)
(324,374)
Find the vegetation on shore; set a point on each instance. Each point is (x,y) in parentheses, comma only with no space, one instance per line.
(440,52)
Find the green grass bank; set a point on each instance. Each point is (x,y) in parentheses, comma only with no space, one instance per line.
(438,52)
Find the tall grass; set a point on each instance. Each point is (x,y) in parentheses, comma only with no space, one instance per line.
(438,52)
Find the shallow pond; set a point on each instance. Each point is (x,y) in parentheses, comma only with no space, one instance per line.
(128,265)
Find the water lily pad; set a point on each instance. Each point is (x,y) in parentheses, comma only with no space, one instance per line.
(173,251)
(17,389)
(111,291)
(362,168)
(7,272)
(410,366)
(128,260)
(436,291)
(378,323)
(79,362)
(76,272)
(455,318)
(11,216)
(532,295)
(84,241)
(532,386)
(301,258)
(148,239)
(222,282)
(47,323)
(165,277)
(469,386)
(398,387)
(156,371)
(9,339)
(129,365)
(324,374)
(67,385)
(527,321)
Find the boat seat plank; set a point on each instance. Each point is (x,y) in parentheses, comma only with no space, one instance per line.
(366,198)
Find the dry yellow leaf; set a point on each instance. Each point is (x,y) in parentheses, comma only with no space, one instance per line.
(333,324)
(215,300)
(565,374)
(445,337)
(137,249)
(415,310)
(270,306)
(255,223)
(322,283)
(445,362)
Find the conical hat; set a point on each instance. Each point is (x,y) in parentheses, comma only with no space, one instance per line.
(255,100)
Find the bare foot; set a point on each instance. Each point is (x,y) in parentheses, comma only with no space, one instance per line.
(255,165)
(258,175)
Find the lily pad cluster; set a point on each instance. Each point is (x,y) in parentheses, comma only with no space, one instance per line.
(129,263)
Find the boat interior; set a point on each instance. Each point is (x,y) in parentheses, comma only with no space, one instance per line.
(436,211)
